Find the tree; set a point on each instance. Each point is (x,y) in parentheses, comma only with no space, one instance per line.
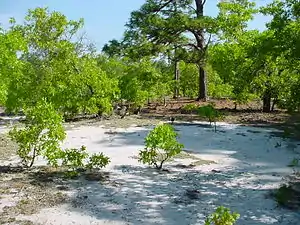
(161,144)
(58,69)
(285,27)
(10,43)
(42,135)
(263,63)
(252,65)
(247,66)
(231,61)
(113,48)
(141,81)
(159,24)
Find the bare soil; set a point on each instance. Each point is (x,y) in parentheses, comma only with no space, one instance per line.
(44,187)
(249,114)
(30,190)
(27,192)
(8,148)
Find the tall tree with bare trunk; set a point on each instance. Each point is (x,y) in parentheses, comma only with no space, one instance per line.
(162,24)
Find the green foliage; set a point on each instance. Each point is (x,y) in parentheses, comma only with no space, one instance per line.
(132,91)
(97,161)
(217,88)
(74,158)
(159,27)
(264,64)
(160,145)
(10,43)
(294,162)
(42,58)
(289,95)
(142,81)
(281,195)
(235,67)
(189,80)
(78,158)
(42,134)
(63,71)
(222,216)
(287,195)
(189,108)
(210,113)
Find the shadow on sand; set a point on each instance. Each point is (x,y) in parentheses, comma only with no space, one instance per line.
(141,195)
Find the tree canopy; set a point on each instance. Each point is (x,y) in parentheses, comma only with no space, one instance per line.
(168,46)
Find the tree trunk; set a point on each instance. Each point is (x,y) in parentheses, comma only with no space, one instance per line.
(176,78)
(33,158)
(275,100)
(199,35)
(202,94)
(267,101)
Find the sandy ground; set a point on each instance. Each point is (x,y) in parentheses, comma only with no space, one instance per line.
(249,162)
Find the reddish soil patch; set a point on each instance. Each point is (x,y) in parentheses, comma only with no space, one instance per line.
(248,114)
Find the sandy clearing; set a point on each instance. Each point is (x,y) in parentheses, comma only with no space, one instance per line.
(250,162)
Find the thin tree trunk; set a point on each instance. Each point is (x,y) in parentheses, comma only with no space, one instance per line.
(273,104)
(267,101)
(176,78)
(267,96)
(33,158)
(202,95)
(199,35)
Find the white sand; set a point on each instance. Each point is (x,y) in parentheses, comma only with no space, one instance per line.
(249,164)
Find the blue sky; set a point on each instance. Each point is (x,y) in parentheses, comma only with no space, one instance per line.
(104,19)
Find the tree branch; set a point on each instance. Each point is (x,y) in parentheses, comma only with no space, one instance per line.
(197,37)
(208,42)
(190,45)
(191,7)
(162,162)
(162,6)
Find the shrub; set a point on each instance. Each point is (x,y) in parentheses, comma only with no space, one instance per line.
(160,145)
(97,161)
(294,162)
(221,90)
(189,108)
(288,194)
(74,158)
(78,158)
(222,216)
(210,113)
(42,134)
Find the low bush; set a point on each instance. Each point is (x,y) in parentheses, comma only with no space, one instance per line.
(41,136)
(210,113)
(160,145)
(189,108)
(75,159)
(222,216)
(288,194)
(97,161)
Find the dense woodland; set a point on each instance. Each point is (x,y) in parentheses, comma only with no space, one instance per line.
(52,73)
(170,48)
